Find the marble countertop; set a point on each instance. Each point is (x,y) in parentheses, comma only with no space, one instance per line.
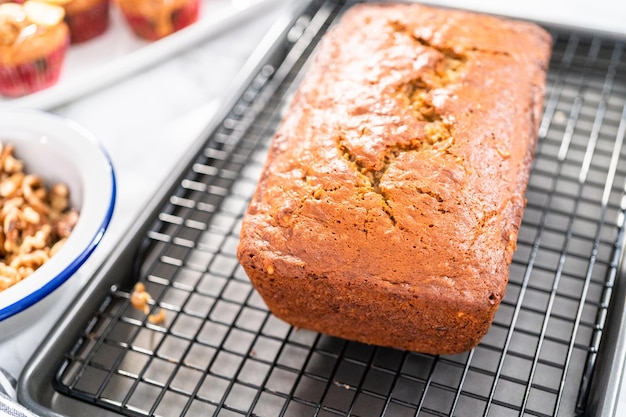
(147,121)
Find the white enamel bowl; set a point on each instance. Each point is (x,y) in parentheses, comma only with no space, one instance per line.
(57,150)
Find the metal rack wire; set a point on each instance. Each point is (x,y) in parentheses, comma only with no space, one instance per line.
(220,352)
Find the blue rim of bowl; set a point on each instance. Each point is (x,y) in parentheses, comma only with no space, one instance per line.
(71,269)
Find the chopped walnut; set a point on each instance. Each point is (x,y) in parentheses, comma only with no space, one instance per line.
(34,222)
(141,299)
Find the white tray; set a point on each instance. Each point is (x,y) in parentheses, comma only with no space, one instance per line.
(118,52)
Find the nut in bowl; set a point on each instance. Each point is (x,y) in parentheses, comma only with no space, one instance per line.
(56,151)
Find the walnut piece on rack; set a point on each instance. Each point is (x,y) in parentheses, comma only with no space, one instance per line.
(141,299)
(34,221)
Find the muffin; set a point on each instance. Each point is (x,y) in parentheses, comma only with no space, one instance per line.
(155,19)
(34,40)
(86,19)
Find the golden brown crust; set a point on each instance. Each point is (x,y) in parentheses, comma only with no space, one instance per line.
(390,203)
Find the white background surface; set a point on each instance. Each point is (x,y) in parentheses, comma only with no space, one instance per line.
(147,120)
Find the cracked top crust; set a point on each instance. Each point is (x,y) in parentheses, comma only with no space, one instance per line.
(405,154)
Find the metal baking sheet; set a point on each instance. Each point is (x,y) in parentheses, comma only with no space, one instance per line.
(220,352)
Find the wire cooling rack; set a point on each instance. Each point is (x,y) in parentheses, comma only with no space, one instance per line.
(220,352)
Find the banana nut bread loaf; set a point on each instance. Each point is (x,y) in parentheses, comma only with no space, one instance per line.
(389,206)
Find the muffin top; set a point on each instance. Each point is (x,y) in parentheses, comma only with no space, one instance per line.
(152,8)
(158,12)
(30,31)
(77,6)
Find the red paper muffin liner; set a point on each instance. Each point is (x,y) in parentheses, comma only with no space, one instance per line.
(143,27)
(87,24)
(29,77)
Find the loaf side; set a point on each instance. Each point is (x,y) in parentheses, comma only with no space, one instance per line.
(389,206)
